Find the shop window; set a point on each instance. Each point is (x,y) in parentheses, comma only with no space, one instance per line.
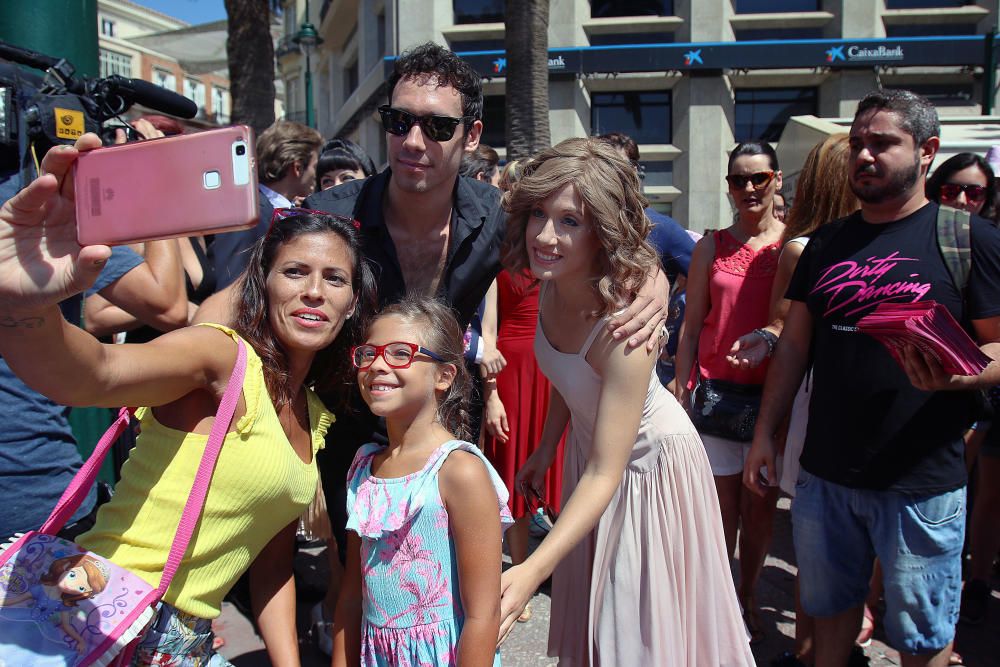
(656,173)
(761,113)
(494,121)
(478,11)
(930,30)
(944,94)
(775,6)
(643,115)
(766,34)
(473,45)
(600,9)
(632,38)
(925,4)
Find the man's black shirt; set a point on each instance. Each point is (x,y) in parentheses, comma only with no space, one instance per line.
(477,230)
(868,426)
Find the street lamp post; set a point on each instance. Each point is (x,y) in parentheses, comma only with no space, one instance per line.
(308,39)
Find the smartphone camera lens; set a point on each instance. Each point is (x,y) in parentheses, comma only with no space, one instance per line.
(241,150)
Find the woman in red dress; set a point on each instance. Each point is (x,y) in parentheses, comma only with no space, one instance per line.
(516,404)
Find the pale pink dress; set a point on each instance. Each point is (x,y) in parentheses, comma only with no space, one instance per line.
(660,591)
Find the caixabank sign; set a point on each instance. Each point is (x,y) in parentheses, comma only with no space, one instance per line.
(706,57)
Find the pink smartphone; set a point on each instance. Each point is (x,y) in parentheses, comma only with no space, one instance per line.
(186,185)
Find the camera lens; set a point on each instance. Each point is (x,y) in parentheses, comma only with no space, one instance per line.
(241,150)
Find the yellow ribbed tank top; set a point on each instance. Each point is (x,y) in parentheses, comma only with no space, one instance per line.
(259,486)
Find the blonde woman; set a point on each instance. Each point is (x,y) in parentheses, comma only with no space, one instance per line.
(637,557)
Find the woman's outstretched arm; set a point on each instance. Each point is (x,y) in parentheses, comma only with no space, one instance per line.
(41,264)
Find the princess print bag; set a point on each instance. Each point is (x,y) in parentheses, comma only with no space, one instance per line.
(63,606)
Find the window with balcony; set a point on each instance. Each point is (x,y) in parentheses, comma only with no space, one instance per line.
(600,9)
(478,11)
(494,121)
(113,62)
(220,105)
(165,79)
(351,78)
(108,28)
(381,34)
(775,6)
(195,90)
(643,115)
(761,113)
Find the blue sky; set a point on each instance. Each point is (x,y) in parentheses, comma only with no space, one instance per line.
(192,11)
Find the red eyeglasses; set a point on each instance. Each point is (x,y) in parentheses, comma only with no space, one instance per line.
(974,193)
(398,354)
(759,180)
(282,213)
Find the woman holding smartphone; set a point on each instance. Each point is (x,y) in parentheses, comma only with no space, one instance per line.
(305,283)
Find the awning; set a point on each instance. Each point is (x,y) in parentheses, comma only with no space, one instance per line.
(199,49)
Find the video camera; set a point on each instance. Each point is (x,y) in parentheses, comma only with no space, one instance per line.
(39,112)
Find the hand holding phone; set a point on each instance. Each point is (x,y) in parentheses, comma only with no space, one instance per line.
(185,185)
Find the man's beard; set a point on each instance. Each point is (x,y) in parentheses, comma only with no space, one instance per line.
(898,183)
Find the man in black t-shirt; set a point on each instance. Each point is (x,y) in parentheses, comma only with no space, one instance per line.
(882,469)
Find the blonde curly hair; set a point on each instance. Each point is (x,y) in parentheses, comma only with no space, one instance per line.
(613,204)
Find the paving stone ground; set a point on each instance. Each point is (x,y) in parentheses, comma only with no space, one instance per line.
(979,646)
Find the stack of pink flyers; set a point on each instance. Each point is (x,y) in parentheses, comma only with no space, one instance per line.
(928,326)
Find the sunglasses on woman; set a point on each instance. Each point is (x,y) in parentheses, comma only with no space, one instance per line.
(397,354)
(974,193)
(758,179)
(437,128)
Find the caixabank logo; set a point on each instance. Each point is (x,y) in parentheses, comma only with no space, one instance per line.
(851,53)
(555,63)
(693,57)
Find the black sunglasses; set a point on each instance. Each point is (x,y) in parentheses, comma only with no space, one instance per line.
(437,128)
(759,180)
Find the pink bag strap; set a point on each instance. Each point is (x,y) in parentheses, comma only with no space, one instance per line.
(195,501)
(84,479)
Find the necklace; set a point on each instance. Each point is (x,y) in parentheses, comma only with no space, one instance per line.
(293,413)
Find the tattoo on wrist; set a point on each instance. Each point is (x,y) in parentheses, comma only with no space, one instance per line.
(9,322)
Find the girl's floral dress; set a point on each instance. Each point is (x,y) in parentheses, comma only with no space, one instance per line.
(412,610)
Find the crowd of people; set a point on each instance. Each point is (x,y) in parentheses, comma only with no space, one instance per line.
(449,352)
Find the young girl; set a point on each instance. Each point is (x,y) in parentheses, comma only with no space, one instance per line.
(304,283)
(422,580)
(637,557)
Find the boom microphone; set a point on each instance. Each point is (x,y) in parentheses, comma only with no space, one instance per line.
(150,95)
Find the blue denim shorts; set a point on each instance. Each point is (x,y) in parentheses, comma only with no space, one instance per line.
(838,532)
